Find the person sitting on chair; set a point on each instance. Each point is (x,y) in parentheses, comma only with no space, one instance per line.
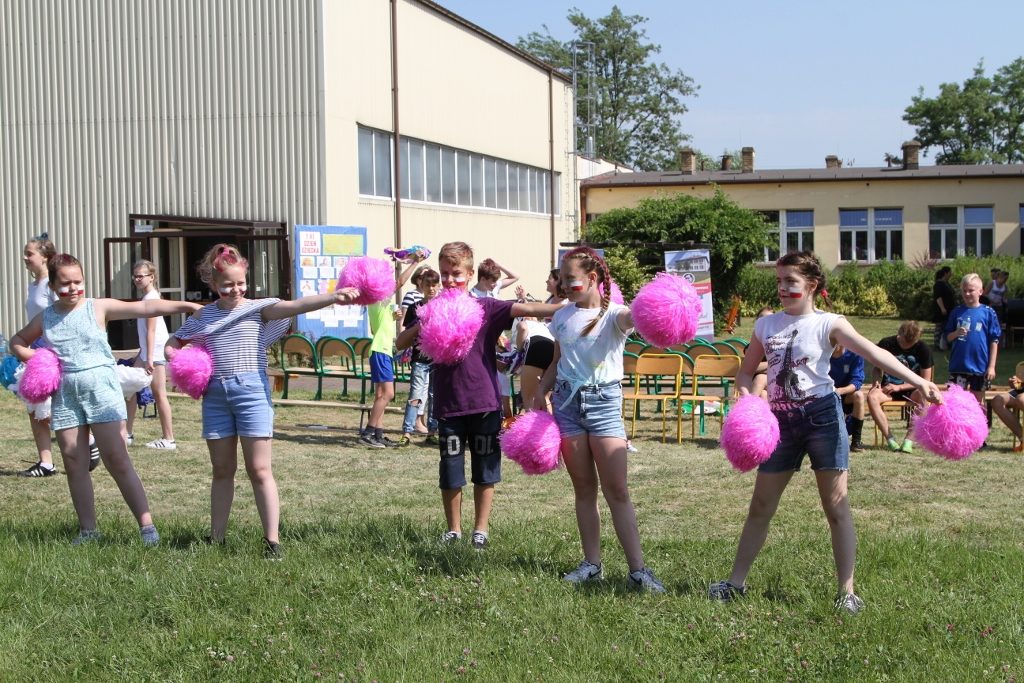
(912,352)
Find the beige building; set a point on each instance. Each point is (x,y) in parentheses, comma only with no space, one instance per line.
(850,215)
(136,129)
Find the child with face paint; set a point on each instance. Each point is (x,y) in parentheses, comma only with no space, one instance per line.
(236,407)
(89,397)
(798,342)
(586,374)
(466,400)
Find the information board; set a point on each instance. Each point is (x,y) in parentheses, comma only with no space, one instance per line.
(321,252)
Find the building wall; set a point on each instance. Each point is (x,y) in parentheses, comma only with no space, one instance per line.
(457,89)
(179,107)
(826,198)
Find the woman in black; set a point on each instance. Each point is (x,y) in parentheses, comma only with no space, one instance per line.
(943,299)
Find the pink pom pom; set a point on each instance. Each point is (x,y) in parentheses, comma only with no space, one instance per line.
(42,376)
(191,369)
(750,433)
(954,429)
(373,277)
(616,296)
(449,324)
(666,310)
(533,441)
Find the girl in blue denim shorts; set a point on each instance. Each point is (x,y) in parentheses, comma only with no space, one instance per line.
(586,373)
(236,406)
(798,343)
(89,397)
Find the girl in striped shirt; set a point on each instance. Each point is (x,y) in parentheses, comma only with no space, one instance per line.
(237,406)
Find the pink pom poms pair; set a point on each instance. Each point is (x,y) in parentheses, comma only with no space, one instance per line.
(41,377)
(955,429)
(666,310)
(449,324)
(533,441)
(750,433)
(191,369)
(373,277)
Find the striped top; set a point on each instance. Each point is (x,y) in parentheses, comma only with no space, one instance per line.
(237,338)
(411,297)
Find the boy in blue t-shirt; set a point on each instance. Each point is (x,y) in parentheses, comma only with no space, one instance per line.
(973,332)
(846,369)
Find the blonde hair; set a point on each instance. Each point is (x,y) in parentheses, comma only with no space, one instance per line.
(971,277)
(590,261)
(146,263)
(219,258)
(44,246)
(457,252)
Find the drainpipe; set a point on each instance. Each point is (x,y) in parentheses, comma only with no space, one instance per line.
(397,161)
(551,162)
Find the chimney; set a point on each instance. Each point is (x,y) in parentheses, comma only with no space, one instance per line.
(687,161)
(832,161)
(748,159)
(726,162)
(911,150)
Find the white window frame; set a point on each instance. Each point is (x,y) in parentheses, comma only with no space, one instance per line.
(783,231)
(961,231)
(872,231)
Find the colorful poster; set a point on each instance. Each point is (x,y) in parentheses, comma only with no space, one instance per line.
(309,242)
(321,252)
(694,265)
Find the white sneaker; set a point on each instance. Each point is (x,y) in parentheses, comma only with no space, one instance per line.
(587,571)
(163,445)
(645,580)
(130,440)
(449,537)
(630,448)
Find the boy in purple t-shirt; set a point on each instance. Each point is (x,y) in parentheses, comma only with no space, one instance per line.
(466,400)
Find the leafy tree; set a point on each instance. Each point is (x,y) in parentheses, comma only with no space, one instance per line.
(737,235)
(637,102)
(706,162)
(978,122)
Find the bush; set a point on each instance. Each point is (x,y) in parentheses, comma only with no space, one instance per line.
(756,289)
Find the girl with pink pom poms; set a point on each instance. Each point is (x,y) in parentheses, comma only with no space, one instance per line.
(586,373)
(798,342)
(236,405)
(88,397)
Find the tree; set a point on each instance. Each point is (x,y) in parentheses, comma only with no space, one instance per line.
(637,103)
(737,235)
(978,122)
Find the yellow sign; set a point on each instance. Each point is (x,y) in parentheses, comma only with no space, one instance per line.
(343,245)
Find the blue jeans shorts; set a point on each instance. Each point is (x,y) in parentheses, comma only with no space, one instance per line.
(596,409)
(816,428)
(382,367)
(238,406)
(480,432)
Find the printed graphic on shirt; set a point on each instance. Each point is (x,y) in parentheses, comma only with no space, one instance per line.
(786,388)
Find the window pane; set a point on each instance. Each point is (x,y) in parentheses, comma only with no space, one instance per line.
(490,188)
(403,168)
(382,164)
(853,218)
(888,217)
(545,189)
(448,176)
(792,241)
(558,196)
(524,188)
(978,215)
(799,219)
(433,162)
(846,246)
(513,187)
(770,217)
(935,243)
(535,190)
(971,242)
(986,242)
(462,176)
(951,246)
(941,215)
(861,245)
(365,161)
(416,170)
(502,184)
(881,252)
(896,244)
(807,243)
(476,168)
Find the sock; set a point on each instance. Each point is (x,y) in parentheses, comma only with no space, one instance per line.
(150,536)
(378,432)
(46,465)
(856,427)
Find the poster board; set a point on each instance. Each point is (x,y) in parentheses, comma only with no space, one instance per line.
(694,265)
(321,252)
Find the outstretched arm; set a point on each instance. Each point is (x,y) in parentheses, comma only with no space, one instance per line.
(533,310)
(115,309)
(290,309)
(843,333)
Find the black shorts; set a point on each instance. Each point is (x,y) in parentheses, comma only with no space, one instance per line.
(480,431)
(901,395)
(540,352)
(969,382)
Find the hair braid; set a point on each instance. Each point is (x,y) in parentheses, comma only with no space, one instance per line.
(591,261)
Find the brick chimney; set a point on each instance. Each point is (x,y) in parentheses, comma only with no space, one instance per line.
(687,161)
(726,162)
(911,152)
(748,159)
(832,161)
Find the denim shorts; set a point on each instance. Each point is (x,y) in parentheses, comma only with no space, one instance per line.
(480,432)
(596,409)
(382,367)
(816,428)
(238,406)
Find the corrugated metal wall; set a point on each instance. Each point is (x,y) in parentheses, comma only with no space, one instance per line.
(179,107)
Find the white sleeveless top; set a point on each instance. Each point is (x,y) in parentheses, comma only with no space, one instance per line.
(798,351)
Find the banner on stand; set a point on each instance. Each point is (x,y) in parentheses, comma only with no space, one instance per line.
(694,265)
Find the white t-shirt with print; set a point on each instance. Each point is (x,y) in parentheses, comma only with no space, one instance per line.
(596,358)
(798,350)
(159,336)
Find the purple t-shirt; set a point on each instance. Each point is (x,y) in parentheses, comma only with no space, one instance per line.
(471,387)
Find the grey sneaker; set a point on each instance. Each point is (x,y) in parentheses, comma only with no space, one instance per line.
(645,580)
(370,440)
(726,591)
(587,571)
(150,536)
(388,443)
(86,536)
(850,603)
(450,537)
(272,551)
(479,540)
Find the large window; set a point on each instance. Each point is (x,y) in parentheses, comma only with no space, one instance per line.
(960,231)
(869,235)
(443,175)
(794,230)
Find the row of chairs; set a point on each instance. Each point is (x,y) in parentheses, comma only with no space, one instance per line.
(734,346)
(330,358)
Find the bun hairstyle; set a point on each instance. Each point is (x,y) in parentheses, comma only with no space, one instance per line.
(217,260)
(56,263)
(43,245)
(457,252)
(808,265)
(591,262)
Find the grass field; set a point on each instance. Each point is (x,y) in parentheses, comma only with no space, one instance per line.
(366,593)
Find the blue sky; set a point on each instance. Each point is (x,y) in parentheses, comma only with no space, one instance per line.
(797,80)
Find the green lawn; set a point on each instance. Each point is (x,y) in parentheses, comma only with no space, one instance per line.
(366,593)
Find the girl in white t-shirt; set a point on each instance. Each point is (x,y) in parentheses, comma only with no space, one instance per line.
(152,337)
(586,373)
(798,343)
